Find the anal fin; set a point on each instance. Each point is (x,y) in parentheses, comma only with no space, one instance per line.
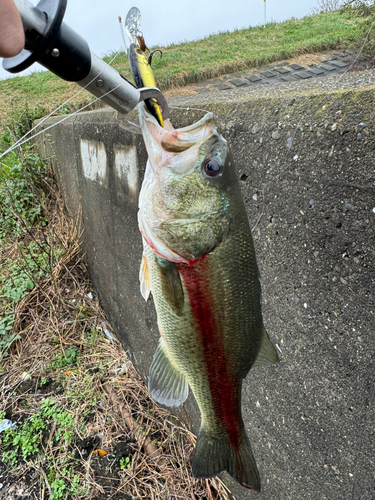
(267,354)
(166,384)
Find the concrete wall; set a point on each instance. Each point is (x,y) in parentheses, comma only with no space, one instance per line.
(311,203)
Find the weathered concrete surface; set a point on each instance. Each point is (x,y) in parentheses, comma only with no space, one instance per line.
(311,418)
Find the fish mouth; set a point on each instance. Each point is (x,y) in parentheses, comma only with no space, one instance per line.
(167,139)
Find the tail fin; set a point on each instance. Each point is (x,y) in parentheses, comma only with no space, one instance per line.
(213,455)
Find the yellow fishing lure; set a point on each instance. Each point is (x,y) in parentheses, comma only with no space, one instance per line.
(143,75)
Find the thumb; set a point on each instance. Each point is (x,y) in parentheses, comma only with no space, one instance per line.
(12,39)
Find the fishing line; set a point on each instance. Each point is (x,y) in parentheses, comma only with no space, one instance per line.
(19,141)
(139,129)
(193,109)
(63,119)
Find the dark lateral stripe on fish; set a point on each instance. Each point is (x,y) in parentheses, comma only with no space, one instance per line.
(224,391)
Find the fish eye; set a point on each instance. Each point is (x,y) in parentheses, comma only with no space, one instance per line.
(212,167)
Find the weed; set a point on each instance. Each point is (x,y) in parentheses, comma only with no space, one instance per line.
(124,463)
(20,194)
(24,272)
(6,336)
(22,198)
(92,336)
(66,485)
(58,487)
(66,109)
(51,423)
(18,276)
(69,356)
(19,121)
(24,439)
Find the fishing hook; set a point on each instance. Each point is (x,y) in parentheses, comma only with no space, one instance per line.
(152,53)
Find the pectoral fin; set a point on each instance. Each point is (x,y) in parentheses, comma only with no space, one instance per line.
(267,354)
(144,278)
(171,284)
(165,383)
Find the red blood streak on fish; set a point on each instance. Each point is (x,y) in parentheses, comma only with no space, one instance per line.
(224,390)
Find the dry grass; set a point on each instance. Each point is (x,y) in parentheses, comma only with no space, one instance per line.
(109,403)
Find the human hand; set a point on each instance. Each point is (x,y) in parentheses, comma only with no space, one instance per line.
(12,38)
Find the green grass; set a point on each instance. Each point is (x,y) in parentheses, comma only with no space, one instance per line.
(25,439)
(25,255)
(202,59)
(247,48)
(21,194)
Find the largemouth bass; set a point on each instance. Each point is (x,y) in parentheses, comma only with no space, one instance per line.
(199,264)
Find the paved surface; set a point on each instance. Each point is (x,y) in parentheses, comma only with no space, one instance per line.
(300,68)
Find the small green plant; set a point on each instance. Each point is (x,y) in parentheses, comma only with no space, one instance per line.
(66,485)
(43,381)
(24,439)
(58,487)
(65,110)
(70,356)
(6,336)
(52,424)
(124,463)
(92,336)
(20,194)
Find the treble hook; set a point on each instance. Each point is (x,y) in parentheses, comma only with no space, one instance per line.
(152,53)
